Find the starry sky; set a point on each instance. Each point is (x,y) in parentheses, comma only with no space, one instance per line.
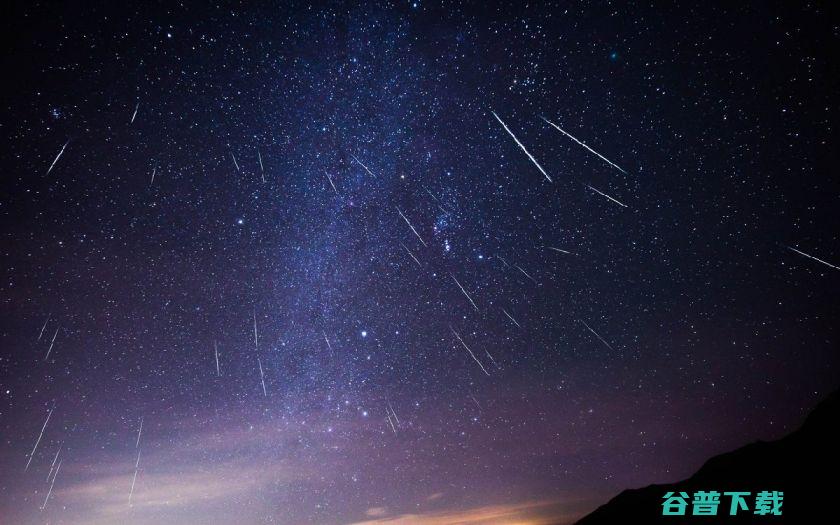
(337,263)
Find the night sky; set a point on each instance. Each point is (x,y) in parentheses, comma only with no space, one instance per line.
(452,325)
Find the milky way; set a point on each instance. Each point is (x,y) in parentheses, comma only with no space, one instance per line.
(340,263)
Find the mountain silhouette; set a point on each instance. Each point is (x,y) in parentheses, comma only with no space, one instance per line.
(804,465)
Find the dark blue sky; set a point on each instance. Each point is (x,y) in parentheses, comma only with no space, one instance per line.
(278,162)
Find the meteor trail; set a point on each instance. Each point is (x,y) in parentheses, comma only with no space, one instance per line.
(139,431)
(596,334)
(131,492)
(134,480)
(410,226)
(51,485)
(52,467)
(154,170)
(491,359)
(470,351)
(216,351)
(814,258)
(511,318)
(256,347)
(57,157)
(262,170)
(537,164)
(555,126)
(262,378)
(411,254)
(32,454)
(464,292)
(525,273)
(44,327)
(605,195)
(394,413)
(135,113)
(476,402)
(234,162)
(559,250)
(362,165)
(329,346)
(331,182)
(52,343)
(440,204)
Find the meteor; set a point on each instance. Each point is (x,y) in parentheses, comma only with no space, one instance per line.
(537,164)
(411,255)
(362,165)
(256,346)
(464,292)
(394,413)
(331,182)
(51,485)
(216,350)
(605,195)
(470,352)
(40,335)
(814,258)
(134,480)
(511,318)
(559,250)
(32,454)
(139,431)
(57,157)
(526,274)
(555,126)
(596,334)
(439,204)
(410,226)
(52,467)
(52,343)
(476,402)
(262,377)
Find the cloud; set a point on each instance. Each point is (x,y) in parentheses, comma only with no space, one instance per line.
(525,513)
(376,512)
(104,499)
(198,475)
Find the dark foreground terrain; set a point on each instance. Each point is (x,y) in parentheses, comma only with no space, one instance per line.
(803,464)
